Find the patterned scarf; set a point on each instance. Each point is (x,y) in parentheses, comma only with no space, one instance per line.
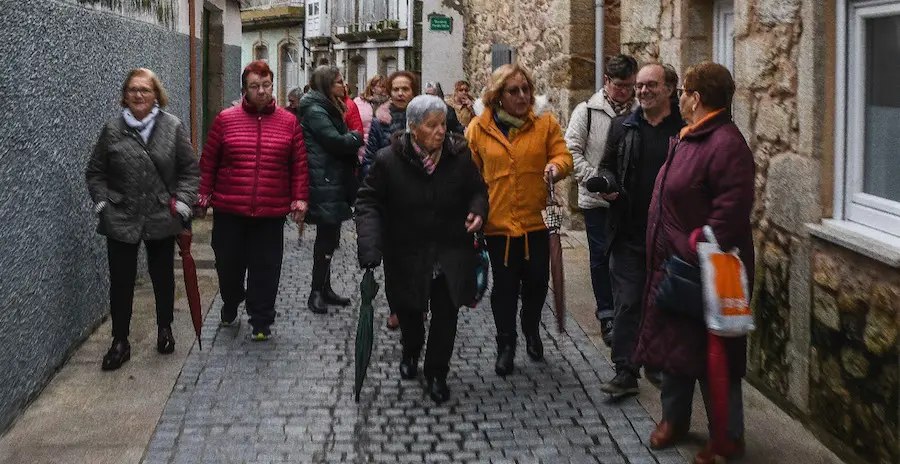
(429,160)
(618,108)
(507,123)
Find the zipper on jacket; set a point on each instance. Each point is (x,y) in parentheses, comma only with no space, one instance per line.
(258,153)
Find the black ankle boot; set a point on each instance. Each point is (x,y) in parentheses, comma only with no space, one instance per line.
(437,389)
(534,347)
(506,355)
(119,353)
(409,366)
(165,342)
(331,297)
(317,303)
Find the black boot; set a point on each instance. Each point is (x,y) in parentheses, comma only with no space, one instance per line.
(506,355)
(409,366)
(119,353)
(330,296)
(317,303)
(534,347)
(165,342)
(437,389)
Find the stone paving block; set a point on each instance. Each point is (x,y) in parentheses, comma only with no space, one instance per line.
(291,399)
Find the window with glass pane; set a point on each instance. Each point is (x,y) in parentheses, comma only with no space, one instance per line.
(262,52)
(882,108)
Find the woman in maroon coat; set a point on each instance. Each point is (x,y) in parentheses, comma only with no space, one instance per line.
(707,179)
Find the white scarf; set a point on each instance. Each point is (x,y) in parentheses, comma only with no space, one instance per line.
(144,127)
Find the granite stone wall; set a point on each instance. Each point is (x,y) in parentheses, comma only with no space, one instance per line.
(59,81)
(854,363)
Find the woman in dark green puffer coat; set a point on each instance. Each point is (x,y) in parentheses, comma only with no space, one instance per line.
(331,150)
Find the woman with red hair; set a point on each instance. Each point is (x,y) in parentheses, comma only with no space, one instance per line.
(253,174)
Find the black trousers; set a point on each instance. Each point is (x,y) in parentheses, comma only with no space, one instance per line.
(249,248)
(122,259)
(441,334)
(627,270)
(514,269)
(328,237)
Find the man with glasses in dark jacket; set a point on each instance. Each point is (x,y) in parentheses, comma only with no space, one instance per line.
(636,149)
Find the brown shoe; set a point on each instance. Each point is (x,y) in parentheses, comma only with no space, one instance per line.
(393,322)
(733,449)
(666,435)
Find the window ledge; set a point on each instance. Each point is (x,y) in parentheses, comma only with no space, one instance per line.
(861,239)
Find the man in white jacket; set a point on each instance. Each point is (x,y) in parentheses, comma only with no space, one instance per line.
(586,137)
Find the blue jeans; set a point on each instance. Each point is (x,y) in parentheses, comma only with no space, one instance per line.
(595,224)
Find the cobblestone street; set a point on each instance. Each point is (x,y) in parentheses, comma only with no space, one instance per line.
(291,399)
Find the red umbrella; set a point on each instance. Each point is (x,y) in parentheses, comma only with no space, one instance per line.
(717,369)
(191,286)
(553,220)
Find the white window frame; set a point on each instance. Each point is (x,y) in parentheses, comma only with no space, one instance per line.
(723,47)
(851,203)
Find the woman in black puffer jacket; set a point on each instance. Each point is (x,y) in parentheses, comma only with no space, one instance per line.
(331,151)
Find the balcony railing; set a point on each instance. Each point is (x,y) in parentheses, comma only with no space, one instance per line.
(268,4)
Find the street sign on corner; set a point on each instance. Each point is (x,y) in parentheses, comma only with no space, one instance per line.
(440,23)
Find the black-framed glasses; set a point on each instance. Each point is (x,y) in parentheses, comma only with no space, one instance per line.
(651,86)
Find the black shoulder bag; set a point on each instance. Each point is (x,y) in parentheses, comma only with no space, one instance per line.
(680,292)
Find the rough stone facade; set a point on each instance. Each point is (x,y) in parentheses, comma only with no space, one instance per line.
(60,84)
(839,367)
(552,38)
(854,355)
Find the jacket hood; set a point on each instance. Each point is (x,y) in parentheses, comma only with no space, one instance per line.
(315,98)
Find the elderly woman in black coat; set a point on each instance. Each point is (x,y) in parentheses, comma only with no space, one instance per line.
(418,208)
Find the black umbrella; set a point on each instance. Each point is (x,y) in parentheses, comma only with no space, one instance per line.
(368,288)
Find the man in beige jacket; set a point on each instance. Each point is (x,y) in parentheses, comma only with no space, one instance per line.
(586,138)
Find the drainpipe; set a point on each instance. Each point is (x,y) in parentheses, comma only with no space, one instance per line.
(192,31)
(598,44)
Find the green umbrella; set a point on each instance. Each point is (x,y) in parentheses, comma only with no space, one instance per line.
(368,288)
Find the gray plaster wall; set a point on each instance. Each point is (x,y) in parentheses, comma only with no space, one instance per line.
(59,80)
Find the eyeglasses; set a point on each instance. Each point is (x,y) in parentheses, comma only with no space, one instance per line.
(256,87)
(681,90)
(651,86)
(620,85)
(524,90)
(143,91)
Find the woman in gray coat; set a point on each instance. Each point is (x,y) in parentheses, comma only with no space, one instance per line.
(142,177)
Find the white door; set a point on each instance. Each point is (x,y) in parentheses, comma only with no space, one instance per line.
(723,33)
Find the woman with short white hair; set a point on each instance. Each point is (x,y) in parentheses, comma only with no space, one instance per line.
(417,209)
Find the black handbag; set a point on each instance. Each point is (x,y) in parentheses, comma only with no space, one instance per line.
(680,292)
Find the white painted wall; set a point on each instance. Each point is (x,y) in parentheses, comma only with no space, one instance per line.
(273,38)
(442,52)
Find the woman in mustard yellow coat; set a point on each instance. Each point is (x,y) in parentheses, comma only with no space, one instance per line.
(518,152)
